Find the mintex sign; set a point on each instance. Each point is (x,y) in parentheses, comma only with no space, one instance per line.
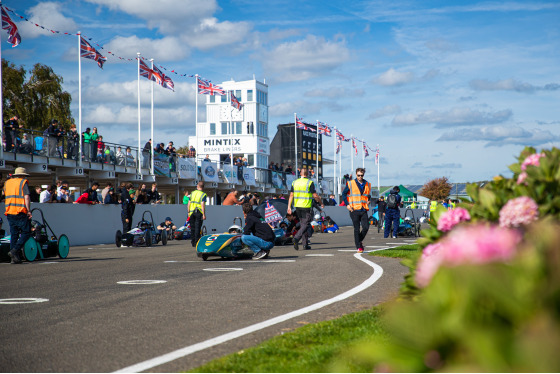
(249,144)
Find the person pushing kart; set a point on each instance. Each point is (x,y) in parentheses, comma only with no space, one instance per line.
(168,227)
(257,234)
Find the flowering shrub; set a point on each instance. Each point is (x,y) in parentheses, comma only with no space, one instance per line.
(485,294)
(452,217)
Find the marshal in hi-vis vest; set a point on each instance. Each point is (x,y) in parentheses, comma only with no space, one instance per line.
(15,200)
(302,196)
(356,199)
(196,201)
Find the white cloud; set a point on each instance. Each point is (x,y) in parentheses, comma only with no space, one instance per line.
(46,14)
(304,59)
(300,106)
(334,92)
(385,111)
(165,49)
(501,135)
(394,78)
(210,33)
(510,85)
(453,117)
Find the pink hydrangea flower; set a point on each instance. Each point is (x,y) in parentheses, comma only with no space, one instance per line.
(522,177)
(532,160)
(519,211)
(473,244)
(452,217)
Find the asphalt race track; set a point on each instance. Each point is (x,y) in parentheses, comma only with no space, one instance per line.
(75,315)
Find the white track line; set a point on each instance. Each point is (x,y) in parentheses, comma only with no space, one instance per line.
(182,352)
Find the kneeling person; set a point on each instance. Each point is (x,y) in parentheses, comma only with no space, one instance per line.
(168,226)
(257,234)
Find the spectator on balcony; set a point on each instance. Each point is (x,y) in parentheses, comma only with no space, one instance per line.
(100,149)
(281,168)
(120,156)
(73,143)
(9,132)
(289,169)
(87,144)
(129,157)
(159,149)
(147,154)
(192,152)
(186,197)
(244,162)
(110,198)
(60,136)
(63,196)
(51,137)
(93,144)
(170,150)
(141,196)
(227,161)
(34,194)
(105,191)
(207,158)
(26,145)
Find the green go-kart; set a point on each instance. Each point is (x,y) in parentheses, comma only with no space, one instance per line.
(40,245)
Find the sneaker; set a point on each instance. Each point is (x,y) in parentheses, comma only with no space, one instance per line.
(308,247)
(296,245)
(361,250)
(394,237)
(259,255)
(15,257)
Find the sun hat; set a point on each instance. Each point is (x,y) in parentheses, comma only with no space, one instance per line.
(20,171)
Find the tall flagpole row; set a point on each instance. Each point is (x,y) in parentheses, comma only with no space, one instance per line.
(139,152)
(295,142)
(152,134)
(80,147)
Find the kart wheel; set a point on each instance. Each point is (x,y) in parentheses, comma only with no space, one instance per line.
(203,231)
(30,249)
(148,239)
(164,239)
(118,238)
(204,256)
(63,246)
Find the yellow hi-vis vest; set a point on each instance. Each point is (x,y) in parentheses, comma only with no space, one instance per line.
(15,200)
(413,205)
(196,201)
(302,196)
(357,200)
(433,206)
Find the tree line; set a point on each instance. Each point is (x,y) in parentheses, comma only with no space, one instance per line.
(34,96)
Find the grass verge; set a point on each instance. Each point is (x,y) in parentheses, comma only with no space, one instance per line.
(410,251)
(309,349)
(315,348)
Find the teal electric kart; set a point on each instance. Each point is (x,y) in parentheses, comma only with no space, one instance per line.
(226,245)
(40,245)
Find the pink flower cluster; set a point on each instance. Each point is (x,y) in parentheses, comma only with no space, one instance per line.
(519,211)
(452,217)
(531,160)
(473,244)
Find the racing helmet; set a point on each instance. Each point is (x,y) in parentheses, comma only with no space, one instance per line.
(235,229)
(144,225)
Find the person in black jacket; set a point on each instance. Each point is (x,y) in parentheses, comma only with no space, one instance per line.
(127,207)
(257,234)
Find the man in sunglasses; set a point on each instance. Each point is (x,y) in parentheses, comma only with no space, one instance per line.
(356,196)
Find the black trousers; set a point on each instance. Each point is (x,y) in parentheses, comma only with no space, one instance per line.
(304,216)
(196,226)
(127,226)
(359,218)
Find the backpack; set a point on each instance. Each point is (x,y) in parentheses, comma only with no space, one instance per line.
(392,201)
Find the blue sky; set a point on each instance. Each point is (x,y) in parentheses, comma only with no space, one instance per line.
(451,89)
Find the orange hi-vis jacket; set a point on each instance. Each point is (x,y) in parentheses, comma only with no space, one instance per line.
(356,199)
(15,200)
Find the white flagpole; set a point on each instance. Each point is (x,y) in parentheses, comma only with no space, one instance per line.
(231,130)
(335,186)
(151,155)
(295,142)
(352,155)
(1,101)
(340,164)
(139,165)
(378,162)
(196,114)
(363,154)
(317,153)
(80,146)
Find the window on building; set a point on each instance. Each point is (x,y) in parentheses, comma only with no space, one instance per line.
(250,128)
(249,95)
(212,129)
(224,98)
(212,98)
(238,128)
(251,160)
(225,128)
(238,95)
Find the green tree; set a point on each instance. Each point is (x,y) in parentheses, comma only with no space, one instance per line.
(37,100)
(436,189)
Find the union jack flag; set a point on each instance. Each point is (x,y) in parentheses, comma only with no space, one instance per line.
(354,145)
(338,144)
(324,129)
(166,81)
(146,72)
(234,102)
(207,88)
(7,24)
(377,155)
(304,126)
(87,51)
(366,153)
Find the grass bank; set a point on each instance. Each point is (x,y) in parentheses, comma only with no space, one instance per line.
(314,348)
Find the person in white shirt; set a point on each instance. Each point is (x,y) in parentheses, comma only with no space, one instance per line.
(46,195)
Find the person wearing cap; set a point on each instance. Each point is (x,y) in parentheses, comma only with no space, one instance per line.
(18,212)
(381,207)
(168,226)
